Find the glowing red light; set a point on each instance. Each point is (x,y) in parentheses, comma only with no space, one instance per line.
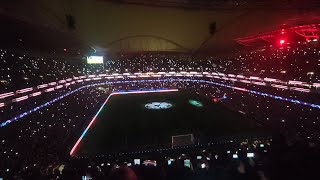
(282,42)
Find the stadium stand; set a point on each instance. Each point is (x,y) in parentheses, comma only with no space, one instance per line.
(36,145)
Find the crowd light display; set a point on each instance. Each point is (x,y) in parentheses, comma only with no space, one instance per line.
(295,101)
(271,82)
(105,102)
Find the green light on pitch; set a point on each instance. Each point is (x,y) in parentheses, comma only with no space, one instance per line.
(195,103)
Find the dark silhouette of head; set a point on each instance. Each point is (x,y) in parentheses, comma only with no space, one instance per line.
(122,173)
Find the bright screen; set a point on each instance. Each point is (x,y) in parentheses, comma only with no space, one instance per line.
(95,59)
(187,163)
(250,155)
(203,165)
(136,161)
(235,156)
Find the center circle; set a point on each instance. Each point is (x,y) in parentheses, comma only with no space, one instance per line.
(158,105)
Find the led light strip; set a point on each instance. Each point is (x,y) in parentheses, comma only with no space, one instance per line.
(2,96)
(264,94)
(105,102)
(317,106)
(38,107)
(218,75)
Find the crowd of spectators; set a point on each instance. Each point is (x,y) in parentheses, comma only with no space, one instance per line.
(39,142)
(20,70)
(44,138)
(286,63)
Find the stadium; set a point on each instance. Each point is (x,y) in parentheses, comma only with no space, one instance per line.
(175,89)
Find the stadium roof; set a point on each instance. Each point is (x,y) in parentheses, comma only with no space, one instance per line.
(141,25)
(223,4)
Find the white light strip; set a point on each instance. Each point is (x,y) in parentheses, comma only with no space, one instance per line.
(279,86)
(42,86)
(58,87)
(259,83)
(36,94)
(245,81)
(271,80)
(48,90)
(24,90)
(52,83)
(255,78)
(156,75)
(2,96)
(295,82)
(301,89)
(20,99)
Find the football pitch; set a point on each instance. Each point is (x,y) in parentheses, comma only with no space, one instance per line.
(130,121)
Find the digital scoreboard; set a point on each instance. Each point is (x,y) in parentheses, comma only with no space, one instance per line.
(94,59)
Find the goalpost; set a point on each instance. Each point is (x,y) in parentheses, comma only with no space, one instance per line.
(182,140)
